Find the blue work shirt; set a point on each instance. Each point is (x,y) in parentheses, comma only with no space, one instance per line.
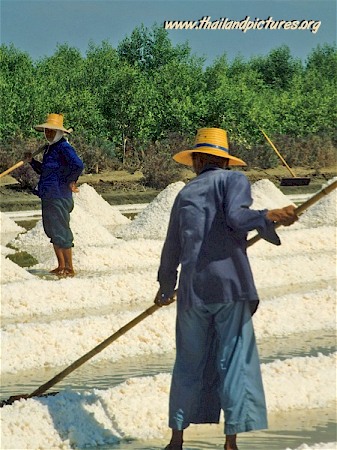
(207,236)
(60,166)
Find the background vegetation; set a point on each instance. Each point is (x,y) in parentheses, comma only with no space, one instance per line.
(135,105)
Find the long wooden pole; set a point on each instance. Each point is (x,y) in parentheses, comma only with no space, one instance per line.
(279,154)
(303,207)
(94,351)
(20,163)
(79,362)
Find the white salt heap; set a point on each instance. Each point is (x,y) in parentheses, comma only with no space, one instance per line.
(7,225)
(11,272)
(322,213)
(267,196)
(86,230)
(48,323)
(9,228)
(90,201)
(152,222)
(321,446)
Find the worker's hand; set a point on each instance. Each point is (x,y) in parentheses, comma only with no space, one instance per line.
(73,187)
(284,216)
(163,300)
(27,157)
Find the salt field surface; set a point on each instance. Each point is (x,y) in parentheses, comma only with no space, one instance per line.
(119,399)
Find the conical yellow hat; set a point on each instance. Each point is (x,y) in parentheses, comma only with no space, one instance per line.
(54,122)
(212,141)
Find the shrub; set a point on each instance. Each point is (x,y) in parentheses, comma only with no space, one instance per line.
(311,151)
(26,176)
(158,167)
(97,155)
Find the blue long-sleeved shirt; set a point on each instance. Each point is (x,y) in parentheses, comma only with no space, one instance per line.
(207,236)
(60,166)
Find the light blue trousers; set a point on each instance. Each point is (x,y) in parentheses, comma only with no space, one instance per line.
(217,367)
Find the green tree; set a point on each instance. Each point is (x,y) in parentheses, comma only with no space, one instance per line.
(323,61)
(63,87)
(17,90)
(277,68)
(149,49)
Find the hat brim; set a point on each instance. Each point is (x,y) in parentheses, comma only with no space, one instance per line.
(185,156)
(50,126)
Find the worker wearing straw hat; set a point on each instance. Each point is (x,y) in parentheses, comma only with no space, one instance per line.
(59,171)
(217,364)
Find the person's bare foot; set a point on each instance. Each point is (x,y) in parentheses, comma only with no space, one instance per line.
(57,271)
(67,272)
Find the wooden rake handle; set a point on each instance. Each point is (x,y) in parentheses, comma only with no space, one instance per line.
(94,351)
(20,163)
(39,391)
(303,207)
(279,154)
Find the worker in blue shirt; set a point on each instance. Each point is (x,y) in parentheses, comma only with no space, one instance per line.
(59,171)
(217,364)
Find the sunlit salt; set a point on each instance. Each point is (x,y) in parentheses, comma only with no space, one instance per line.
(117,261)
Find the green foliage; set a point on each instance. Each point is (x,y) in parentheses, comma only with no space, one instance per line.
(150,49)
(16,90)
(158,167)
(278,68)
(126,103)
(26,177)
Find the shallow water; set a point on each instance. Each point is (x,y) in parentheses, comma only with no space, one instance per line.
(286,429)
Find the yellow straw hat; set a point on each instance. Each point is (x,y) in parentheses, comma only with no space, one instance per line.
(54,122)
(212,141)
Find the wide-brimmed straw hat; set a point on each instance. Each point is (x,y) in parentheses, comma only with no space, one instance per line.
(212,141)
(54,122)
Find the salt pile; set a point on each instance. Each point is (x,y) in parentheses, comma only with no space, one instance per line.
(7,225)
(152,222)
(48,323)
(89,200)
(86,230)
(11,272)
(103,416)
(321,446)
(9,229)
(306,312)
(323,212)
(267,196)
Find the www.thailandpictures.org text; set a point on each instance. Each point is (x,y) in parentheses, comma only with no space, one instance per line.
(247,24)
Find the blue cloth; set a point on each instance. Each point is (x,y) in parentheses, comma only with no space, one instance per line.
(56,220)
(207,235)
(217,364)
(217,367)
(60,166)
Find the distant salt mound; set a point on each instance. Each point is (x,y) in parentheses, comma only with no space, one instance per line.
(322,213)
(6,250)
(7,225)
(11,272)
(94,204)
(152,222)
(267,196)
(86,230)
(9,229)
(320,446)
